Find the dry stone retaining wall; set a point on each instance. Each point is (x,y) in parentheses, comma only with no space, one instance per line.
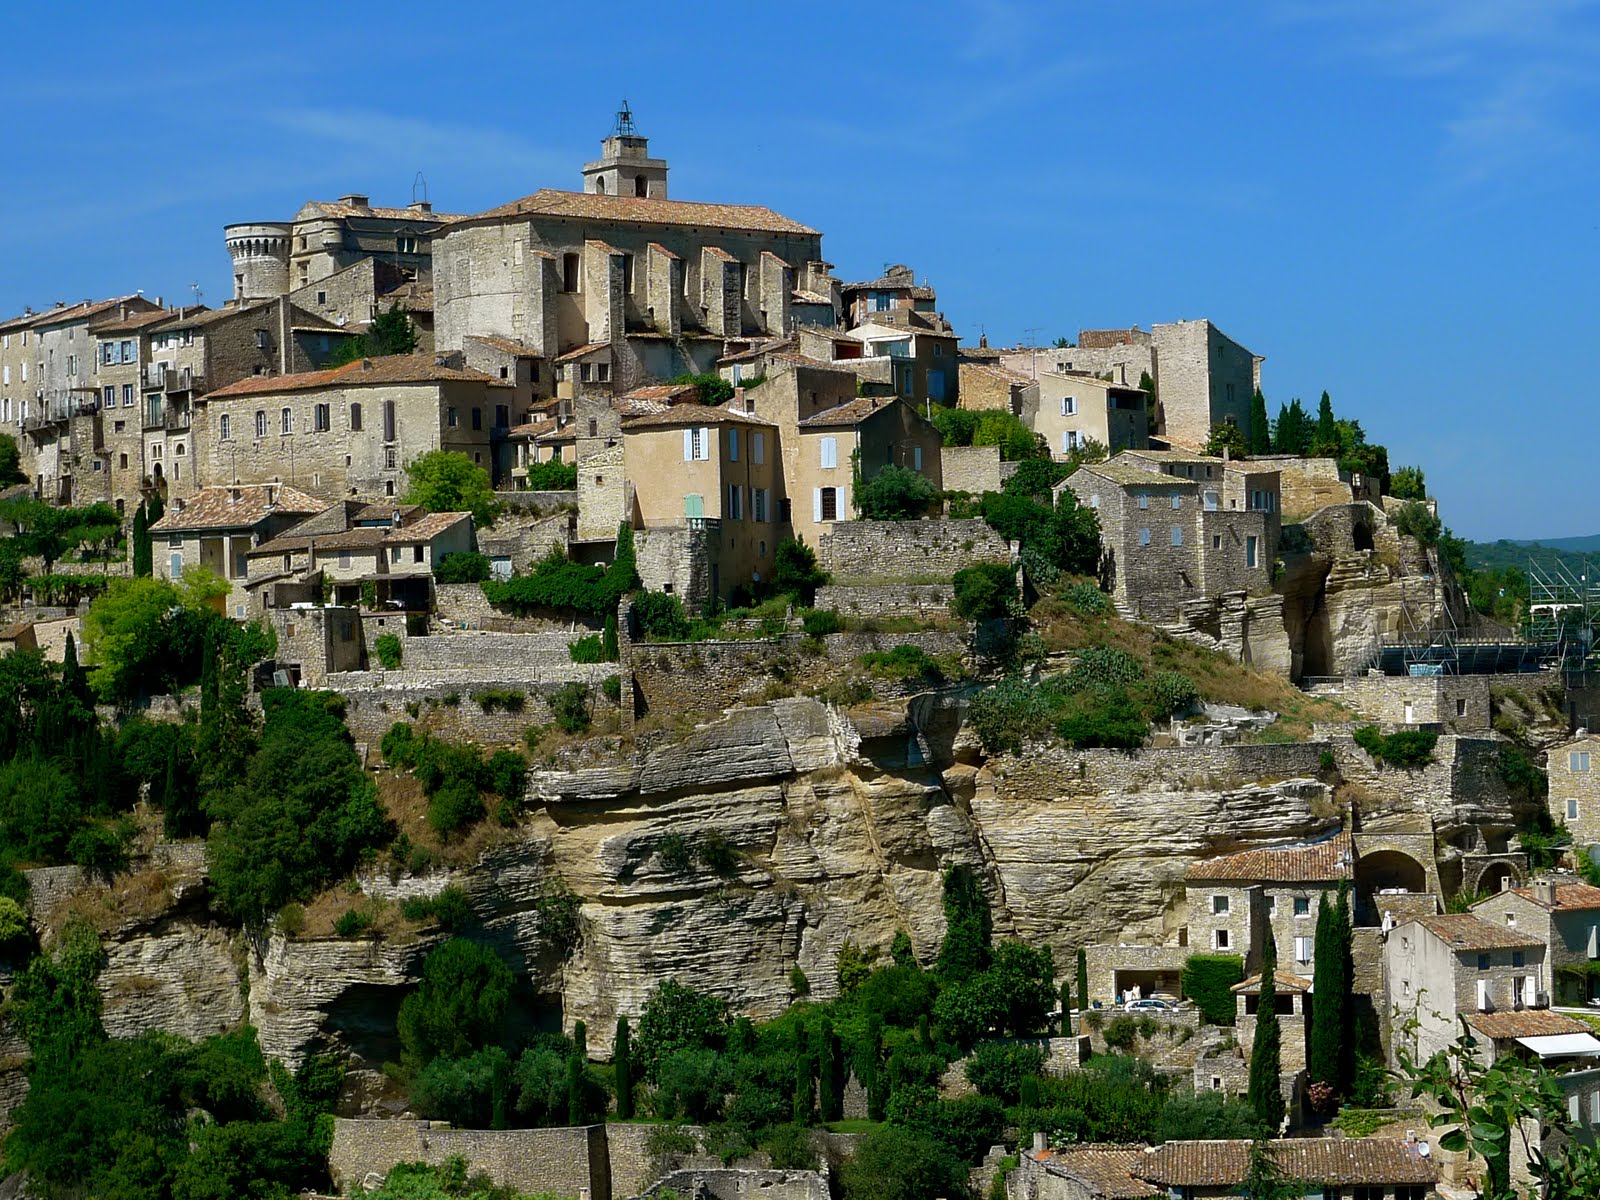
(564,1161)
(864,551)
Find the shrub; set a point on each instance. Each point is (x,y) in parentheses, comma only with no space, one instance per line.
(673,850)
(612,687)
(450,909)
(716,853)
(552,475)
(661,617)
(1104,666)
(820,622)
(895,494)
(589,649)
(464,566)
(1087,599)
(569,705)
(1009,713)
(1408,483)
(459,1006)
(400,746)
(1414,520)
(984,591)
(795,571)
(1408,748)
(559,583)
(1172,693)
(352,923)
(454,806)
(1121,1033)
(998,1068)
(902,662)
(493,700)
(387,648)
(291,920)
(1208,980)
(507,772)
(1102,716)
(799,985)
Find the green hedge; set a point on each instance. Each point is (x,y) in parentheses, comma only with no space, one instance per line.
(1407,748)
(1208,980)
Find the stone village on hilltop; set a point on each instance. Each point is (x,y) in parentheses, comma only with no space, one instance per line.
(690,383)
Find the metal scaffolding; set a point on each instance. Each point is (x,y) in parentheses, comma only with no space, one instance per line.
(1564,611)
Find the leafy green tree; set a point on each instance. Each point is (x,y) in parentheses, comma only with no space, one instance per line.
(677,1018)
(391,332)
(552,475)
(1260,441)
(998,427)
(622,1061)
(1265,1096)
(464,566)
(125,631)
(10,462)
(956,426)
(1408,483)
(984,591)
(1325,440)
(895,494)
(459,1006)
(894,1163)
(1416,521)
(449,481)
(714,389)
(968,925)
(1207,1116)
(1227,437)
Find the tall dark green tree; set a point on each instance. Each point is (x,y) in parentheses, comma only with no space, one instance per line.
(1292,433)
(968,925)
(71,673)
(140,548)
(1326,1040)
(805,1086)
(622,1061)
(830,1074)
(1260,439)
(1266,1052)
(1325,441)
(1083,981)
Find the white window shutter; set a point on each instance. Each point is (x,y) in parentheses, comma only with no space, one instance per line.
(1065,444)
(1063,406)
(1530,990)
(816,504)
(688,445)
(705,444)
(1594,941)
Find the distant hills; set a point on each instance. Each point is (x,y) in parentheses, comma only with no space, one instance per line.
(1509,553)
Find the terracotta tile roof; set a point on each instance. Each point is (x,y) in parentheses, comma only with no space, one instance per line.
(412,297)
(1568,895)
(889,284)
(532,429)
(1284,981)
(1133,476)
(1334,1162)
(549,202)
(663,251)
(1107,1172)
(1316,862)
(12,632)
(423,529)
(1528,1022)
(579,351)
(394,368)
(668,392)
(505,345)
(995,371)
(136,322)
(718,252)
(217,508)
(202,318)
(851,412)
(385,512)
(758,350)
(693,414)
(1463,931)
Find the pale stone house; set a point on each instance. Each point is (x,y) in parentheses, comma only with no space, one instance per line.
(1071,410)
(350,430)
(123,350)
(1574,770)
(711,475)
(1564,914)
(987,385)
(379,555)
(896,290)
(217,528)
(867,433)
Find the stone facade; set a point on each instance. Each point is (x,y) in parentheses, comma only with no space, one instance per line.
(1564,914)
(972,469)
(862,552)
(565,1161)
(312,642)
(1574,769)
(1071,410)
(1458,703)
(930,601)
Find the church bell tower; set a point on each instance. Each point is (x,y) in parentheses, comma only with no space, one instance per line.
(625,167)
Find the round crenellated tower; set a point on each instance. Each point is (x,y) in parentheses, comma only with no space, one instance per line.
(260,251)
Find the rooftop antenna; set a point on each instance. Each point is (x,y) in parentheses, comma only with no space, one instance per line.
(625,125)
(195,288)
(419,184)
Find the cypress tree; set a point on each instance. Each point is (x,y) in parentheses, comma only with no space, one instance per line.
(830,1076)
(869,1070)
(1066,1007)
(1327,1004)
(1260,427)
(622,1060)
(608,641)
(968,925)
(1266,1051)
(805,1075)
(1083,981)
(574,1090)
(1326,441)
(157,510)
(500,1092)
(71,673)
(1344,934)
(142,553)
(742,1040)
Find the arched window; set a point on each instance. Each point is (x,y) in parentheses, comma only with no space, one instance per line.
(641,186)
(261,422)
(287,422)
(600,185)
(355,418)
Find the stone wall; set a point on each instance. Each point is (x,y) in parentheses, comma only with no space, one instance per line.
(887,551)
(564,1161)
(731,1183)
(529,656)
(1458,702)
(900,600)
(974,469)
(445,706)
(464,606)
(677,559)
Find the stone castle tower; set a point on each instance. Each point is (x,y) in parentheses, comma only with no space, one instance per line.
(260,252)
(625,167)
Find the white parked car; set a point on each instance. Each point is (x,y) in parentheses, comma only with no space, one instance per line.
(1148,1006)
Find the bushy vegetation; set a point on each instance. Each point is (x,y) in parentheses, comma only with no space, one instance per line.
(990,427)
(906,662)
(984,591)
(1414,519)
(552,475)
(456,778)
(1208,980)
(388,648)
(1406,748)
(558,583)
(895,494)
(464,566)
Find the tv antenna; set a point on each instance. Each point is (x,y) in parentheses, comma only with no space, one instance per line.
(195,288)
(419,184)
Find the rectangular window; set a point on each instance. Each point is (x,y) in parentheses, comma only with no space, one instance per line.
(627,273)
(1219,905)
(388,420)
(1223,939)
(450,417)
(1250,551)
(322,418)
(827,504)
(830,453)
(355,417)
(696,445)
(733,445)
(1177,502)
(1144,537)
(225,427)
(758,447)
(417,553)
(287,422)
(175,565)
(1302,949)
(127,395)
(694,505)
(1302,906)
(1578,760)
(1517,957)
(109,397)
(758,503)
(1069,406)
(1144,499)
(569,272)
(1572,808)
(916,458)
(735,502)
(1177,535)
(477,418)
(1483,962)
(1216,541)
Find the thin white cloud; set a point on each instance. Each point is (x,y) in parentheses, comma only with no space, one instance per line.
(376,137)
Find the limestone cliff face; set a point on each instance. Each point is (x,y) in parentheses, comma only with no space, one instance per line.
(762,841)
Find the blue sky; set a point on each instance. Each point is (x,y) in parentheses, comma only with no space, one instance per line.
(1394,200)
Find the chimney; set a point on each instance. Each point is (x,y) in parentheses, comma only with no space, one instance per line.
(738,400)
(421,206)
(394,520)
(1040,1144)
(1544,891)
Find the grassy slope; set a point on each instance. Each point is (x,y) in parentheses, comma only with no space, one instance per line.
(1219,678)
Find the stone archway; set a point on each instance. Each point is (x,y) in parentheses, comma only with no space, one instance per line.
(1386,874)
(1490,874)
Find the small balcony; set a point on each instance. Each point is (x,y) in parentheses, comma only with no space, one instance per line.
(170,379)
